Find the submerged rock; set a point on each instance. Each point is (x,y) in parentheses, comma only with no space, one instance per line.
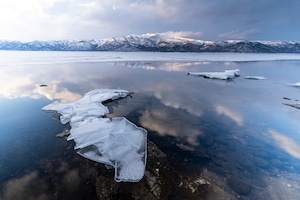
(164,178)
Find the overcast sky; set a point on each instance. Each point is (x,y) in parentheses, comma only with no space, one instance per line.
(28,20)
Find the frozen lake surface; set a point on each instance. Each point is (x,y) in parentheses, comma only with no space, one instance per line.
(216,138)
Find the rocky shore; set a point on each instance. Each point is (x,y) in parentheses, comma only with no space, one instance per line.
(164,179)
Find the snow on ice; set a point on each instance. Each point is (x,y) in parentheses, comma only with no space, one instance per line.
(227,74)
(114,142)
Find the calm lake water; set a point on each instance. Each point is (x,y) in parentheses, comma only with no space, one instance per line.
(239,134)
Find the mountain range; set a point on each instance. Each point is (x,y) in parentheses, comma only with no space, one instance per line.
(155,42)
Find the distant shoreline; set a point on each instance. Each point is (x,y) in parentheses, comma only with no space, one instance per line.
(155,43)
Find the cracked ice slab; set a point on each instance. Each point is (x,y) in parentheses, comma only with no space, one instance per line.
(227,74)
(116,142)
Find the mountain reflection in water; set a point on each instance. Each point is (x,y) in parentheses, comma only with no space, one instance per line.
(237,136)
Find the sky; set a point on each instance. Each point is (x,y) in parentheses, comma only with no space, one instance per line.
(199,19)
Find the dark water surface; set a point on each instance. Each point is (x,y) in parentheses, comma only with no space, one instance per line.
(237,134)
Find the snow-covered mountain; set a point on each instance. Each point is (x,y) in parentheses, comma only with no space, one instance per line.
(155,42)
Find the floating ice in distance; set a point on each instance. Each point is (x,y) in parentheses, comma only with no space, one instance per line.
(255,77)
(115,142)
(227,74)
(295,84)
(296,105)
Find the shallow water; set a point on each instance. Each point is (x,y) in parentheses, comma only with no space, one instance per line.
(238,134)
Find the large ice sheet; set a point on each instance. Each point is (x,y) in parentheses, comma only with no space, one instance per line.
(115,142)
(227,74)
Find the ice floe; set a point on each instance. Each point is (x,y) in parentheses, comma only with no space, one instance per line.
(255,77)
(294,84)
(114,142)
(227,74)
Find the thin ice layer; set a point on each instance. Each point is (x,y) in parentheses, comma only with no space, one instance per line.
(227,74)
(116,142)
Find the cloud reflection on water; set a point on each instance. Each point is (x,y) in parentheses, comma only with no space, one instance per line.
(53,91)
(17,82)
(28,186)
(286,143)
(168,84)
(172,95)
(171,104)
(39,184)
(232,114)
(167,121)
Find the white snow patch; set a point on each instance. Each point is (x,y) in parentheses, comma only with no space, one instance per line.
(115,142)
(227,74)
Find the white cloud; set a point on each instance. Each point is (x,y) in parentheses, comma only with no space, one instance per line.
(87,19)
(44,19)
(237,34)
(159,7)
(184,34)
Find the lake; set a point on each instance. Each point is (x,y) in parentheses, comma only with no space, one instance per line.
(207,138)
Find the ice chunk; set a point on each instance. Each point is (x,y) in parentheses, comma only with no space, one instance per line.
(65,133)
(89,105)
(115,142)
(255,77)
(227,74)
(294,84)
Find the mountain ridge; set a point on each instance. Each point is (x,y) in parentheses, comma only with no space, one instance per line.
(156,43)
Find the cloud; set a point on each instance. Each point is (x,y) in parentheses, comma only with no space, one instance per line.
(87,19)
(237,34)
(184,34)
(71,19)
